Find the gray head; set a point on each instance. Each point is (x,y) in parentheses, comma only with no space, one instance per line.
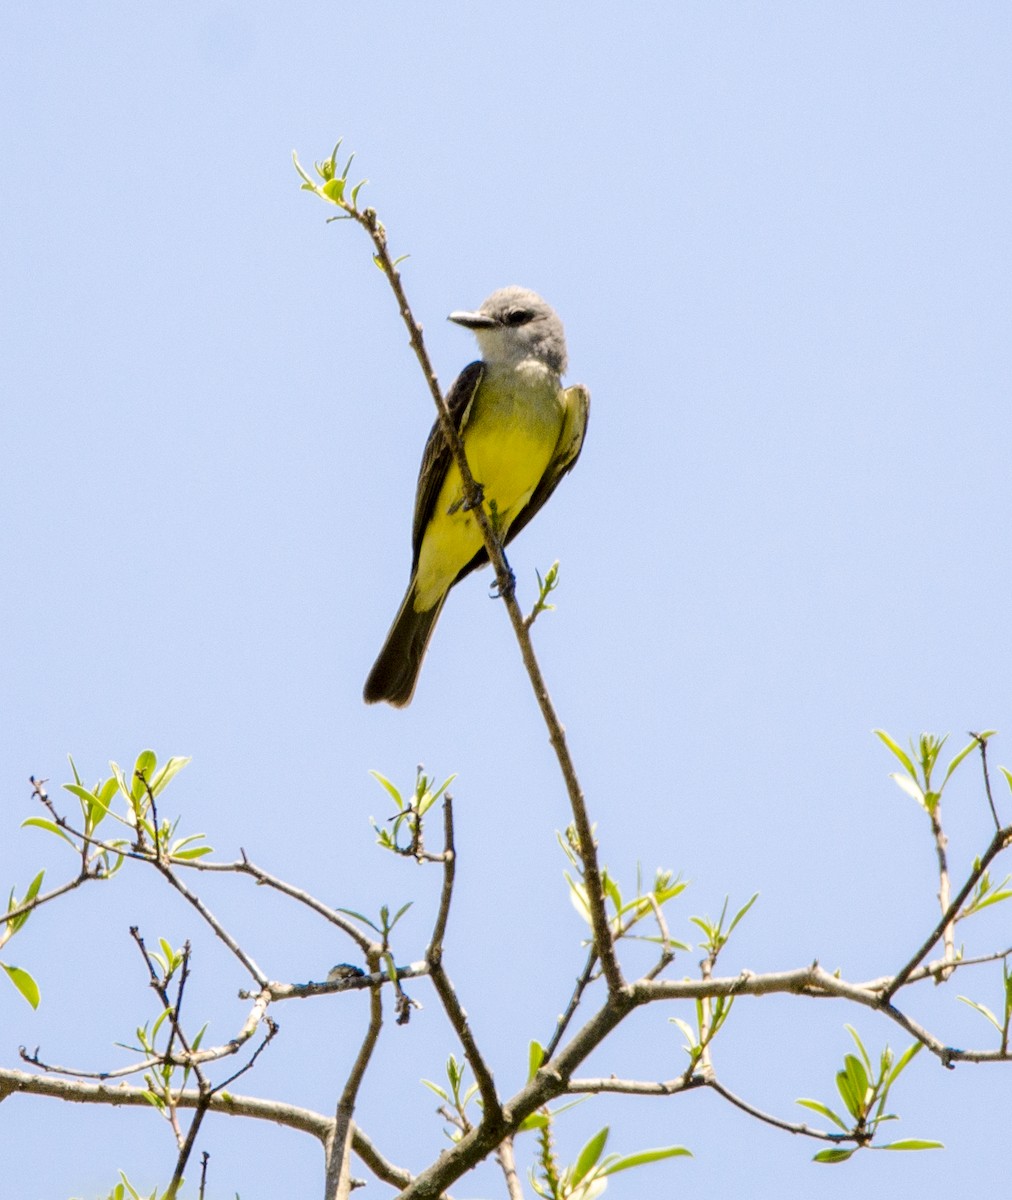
(515,324)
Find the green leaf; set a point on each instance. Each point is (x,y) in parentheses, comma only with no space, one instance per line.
(388,787)
(688,1032)
(81,793)
(333,189)
(994,898)
(858,1077)
(144,769)
(911,788)
(646,1156)
(903,1062)
(741,912)
(117,771)
(912,1144)
(898,751)
(48,826)
(983,1010)
(849,1094)
(436,1088)
(194,852)
(163,777)
(29,896)
(825,1111)
(350,912)
(955,763)
(578,896)
(860,1047)
(832,1156)
(25,984)
(535,1057)
(1008,776)
(536,1120)
(589,1155)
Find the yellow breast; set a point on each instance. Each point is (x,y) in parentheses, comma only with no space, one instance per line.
(510,436)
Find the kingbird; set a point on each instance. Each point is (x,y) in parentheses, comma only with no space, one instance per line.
(522,431)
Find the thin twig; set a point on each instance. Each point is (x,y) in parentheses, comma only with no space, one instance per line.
(508,1163)
(997,845)
(337,1185)
(220,931)
(245,866)
(982,743)
(582,981)
(769,1119)
(491,1111)
(949,931)
(369,221)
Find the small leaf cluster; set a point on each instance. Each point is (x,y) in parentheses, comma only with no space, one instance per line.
(140,790)
(546,586)
(102,857)
(864,1091)
(334,183)
(1003,1025)
(455,1097)
(125,1190)
(21,979)
(916,779)
(587,1176)
(410,811)
(624,914)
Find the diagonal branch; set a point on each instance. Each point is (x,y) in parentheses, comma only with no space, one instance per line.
(369,221)
(491,1109)
(997,844)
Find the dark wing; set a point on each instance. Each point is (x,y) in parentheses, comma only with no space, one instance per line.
(436,457)
(576,406)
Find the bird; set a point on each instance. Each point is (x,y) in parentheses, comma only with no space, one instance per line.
(522,432)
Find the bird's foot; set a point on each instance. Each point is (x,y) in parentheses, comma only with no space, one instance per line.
(497,591)
(479,498)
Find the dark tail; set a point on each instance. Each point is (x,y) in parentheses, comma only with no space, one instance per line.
(395,672)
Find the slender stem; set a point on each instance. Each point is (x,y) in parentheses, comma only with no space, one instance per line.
(338,1185)
(982,743)
(563,1022)
(508,1162)
(369,221)
(997,845)
(491,1110)
(768,1119)
(944,890)
(219,929)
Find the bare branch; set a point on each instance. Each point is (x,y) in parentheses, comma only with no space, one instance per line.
(507,1160)
(129,1096)
(220,931)
(245,867)
(351,983)
(370,222)
(768,1119)
(337,1186)
(982,743)
(583,980)
(491,1111)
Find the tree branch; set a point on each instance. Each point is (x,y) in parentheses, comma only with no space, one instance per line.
(998,843)
(369,221)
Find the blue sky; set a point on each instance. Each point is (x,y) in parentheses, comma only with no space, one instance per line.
(779,237)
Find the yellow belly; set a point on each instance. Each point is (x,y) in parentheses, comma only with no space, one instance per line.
(510,438)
